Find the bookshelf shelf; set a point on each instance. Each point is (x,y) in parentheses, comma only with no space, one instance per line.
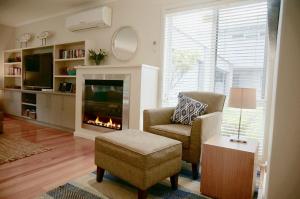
(28,104)
(12,75)
(65,76)
(12,63)
(12,89)
(26,117)
(70,59)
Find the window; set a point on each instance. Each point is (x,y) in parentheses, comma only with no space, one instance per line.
(214,49)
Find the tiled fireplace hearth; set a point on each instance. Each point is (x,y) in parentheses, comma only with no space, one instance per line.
(111,98)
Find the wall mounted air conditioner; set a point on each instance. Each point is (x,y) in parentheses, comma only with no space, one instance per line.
(95,18)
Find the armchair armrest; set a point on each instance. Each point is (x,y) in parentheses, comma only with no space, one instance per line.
(157,116)
(204,127)
(210,125)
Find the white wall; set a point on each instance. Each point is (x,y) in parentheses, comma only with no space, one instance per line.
(7,41)
(143,16)
(284,160)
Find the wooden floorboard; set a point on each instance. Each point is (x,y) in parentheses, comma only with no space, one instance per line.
(29,177)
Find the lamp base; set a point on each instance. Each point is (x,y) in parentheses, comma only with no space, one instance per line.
(238,140)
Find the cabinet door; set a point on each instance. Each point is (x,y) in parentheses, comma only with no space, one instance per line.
(12,102)
(57,107)
(58,110)
(44,108)
(68,112)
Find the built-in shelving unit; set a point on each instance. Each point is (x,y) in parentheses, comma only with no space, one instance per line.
(29,105)
(12,69)
(66,57)
(33,104)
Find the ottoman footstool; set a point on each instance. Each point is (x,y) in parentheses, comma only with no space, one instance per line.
(140,158)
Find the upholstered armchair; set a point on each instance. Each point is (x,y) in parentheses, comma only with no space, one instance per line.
(158,121)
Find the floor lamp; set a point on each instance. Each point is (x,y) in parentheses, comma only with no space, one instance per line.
(242,98)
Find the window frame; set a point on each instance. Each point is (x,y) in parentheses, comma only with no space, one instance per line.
(219,5)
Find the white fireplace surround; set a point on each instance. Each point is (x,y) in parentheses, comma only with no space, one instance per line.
(143,82)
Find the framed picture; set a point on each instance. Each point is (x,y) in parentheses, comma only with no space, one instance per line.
(65,87)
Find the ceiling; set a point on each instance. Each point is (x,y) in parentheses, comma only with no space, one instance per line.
(20,12)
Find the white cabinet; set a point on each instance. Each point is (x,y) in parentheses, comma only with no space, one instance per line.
(44,108)
(12,102)
(68,112)
(55,109)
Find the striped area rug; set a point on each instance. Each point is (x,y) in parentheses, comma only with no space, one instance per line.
(86,187)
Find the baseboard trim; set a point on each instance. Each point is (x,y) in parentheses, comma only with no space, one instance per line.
(90,135)
(41,123)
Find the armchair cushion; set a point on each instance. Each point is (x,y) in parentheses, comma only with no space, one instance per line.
(174,131)
(187,110)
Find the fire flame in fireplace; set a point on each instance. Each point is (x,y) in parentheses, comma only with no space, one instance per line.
(109,124)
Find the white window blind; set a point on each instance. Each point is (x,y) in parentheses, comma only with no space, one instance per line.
(214,49)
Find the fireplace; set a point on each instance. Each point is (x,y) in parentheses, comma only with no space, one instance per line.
(139,93)
(105,103)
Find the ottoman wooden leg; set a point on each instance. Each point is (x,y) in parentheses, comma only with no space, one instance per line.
(100,173)
(174,181)
(142,194)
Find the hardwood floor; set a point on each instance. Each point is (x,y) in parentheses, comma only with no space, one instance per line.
(29,177)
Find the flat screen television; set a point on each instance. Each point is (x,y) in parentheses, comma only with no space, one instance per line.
(38,71)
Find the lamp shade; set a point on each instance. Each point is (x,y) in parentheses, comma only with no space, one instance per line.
(244,98)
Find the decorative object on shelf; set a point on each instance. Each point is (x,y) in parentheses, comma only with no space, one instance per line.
(32,114)
(124,43)
(65,87)
(14,59)
(242,98)
(47,89)
(13,87)
(43,36)
(71,70)
(14,70)
(24,39)
(97,55)
(26,113)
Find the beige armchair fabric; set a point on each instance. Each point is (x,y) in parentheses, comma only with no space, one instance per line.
(158,121)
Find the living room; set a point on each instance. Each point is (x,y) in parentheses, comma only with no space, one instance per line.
(149,99)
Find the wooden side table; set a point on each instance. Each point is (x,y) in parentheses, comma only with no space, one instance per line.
(228,168)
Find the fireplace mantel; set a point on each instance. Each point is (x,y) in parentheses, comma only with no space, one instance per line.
(117,66)
(143,83)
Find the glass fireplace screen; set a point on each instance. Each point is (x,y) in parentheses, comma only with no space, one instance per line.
(103,103)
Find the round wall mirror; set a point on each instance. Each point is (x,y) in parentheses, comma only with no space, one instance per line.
(124,43)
